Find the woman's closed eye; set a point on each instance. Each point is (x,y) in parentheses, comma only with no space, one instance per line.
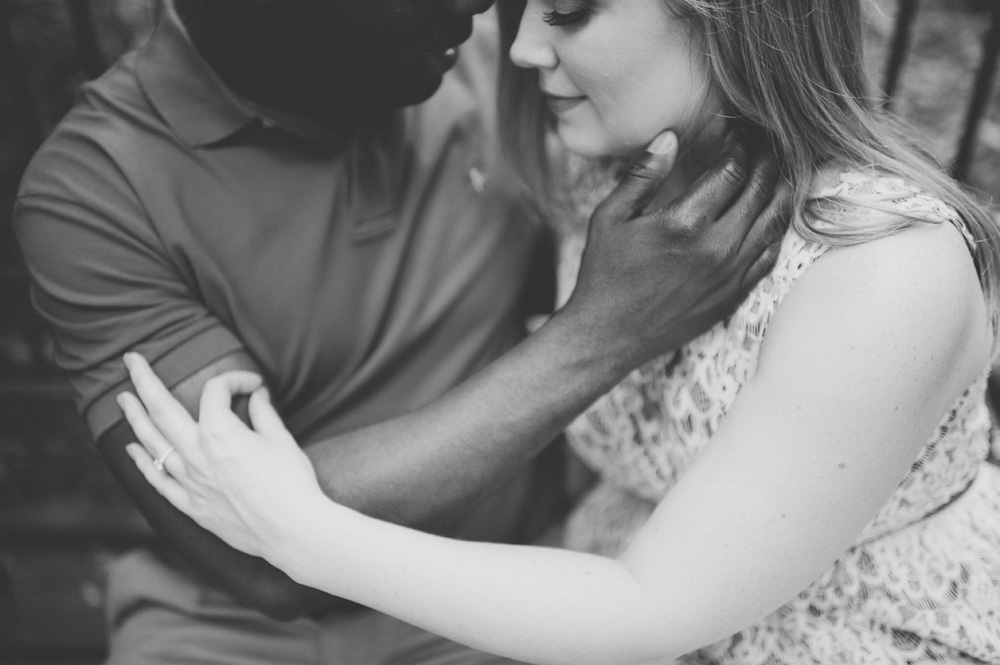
(568,13)
(556,19)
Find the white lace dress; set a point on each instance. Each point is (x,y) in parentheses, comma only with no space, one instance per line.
(922,582)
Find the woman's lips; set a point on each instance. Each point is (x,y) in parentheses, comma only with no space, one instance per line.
(561,104)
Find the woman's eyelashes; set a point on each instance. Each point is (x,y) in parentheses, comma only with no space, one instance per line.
(557,18)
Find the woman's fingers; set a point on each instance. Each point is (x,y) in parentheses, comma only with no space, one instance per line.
(263,417)
(169,415)
(217,397)
(162,482)
(154,444)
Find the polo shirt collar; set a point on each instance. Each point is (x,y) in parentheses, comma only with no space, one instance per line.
(184,90)
(194,101)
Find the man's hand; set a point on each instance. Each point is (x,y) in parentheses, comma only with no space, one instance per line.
(651,282)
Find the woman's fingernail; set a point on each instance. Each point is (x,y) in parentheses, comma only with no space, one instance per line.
(664,144)
(128,360)
(265,393)
(121,400)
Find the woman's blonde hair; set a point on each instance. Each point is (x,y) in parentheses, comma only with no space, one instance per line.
(794,69)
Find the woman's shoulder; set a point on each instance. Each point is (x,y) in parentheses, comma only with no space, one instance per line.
(923,262)
(926,257)
(918,285)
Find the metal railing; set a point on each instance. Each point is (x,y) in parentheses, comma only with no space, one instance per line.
(982,88)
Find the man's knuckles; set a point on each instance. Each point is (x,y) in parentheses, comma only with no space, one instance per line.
(732,172)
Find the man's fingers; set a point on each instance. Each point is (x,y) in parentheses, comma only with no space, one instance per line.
(167,413)
(762,190)
(642,181)
(263,417)
(765,239)
(161,481)
(217,396)
(771,224)
(717,188)
(760,268)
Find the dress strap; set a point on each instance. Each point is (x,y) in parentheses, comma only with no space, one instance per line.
(959,223)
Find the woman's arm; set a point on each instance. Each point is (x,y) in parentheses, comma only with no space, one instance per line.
(866,354)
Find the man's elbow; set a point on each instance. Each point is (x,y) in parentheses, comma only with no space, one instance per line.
(282,601)
(284,607)
(285,600)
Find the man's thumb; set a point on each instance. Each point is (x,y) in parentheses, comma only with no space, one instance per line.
(644,178)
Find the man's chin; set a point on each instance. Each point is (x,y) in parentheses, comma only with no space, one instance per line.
(416,91)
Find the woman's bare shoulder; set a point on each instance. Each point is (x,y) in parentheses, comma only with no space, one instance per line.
(917,287)
(927,260)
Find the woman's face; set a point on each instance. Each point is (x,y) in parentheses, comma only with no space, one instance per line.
(615,73)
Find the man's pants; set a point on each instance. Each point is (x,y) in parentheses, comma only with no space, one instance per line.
(158,615)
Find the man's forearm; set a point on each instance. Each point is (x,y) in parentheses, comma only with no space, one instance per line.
(429,468)
(648,283)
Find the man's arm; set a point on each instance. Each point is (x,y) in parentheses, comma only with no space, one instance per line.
(104,281)
(647,285)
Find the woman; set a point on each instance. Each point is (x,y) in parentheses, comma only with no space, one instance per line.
(840,512)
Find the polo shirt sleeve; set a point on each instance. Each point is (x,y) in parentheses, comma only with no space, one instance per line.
(103,280)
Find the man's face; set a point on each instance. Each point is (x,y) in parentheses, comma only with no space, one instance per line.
(376,53)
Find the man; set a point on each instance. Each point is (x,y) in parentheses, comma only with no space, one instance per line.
(250,191)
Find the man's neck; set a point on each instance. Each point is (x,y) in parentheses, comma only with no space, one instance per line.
(269,85)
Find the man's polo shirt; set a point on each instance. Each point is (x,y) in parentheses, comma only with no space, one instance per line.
(166,216)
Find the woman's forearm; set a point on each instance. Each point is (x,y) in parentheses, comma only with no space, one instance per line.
(534,604)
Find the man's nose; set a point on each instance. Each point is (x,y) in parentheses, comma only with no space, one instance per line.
(468,7)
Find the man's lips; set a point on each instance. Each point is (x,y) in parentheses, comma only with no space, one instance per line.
(562,103)
(441,60)
(444,54)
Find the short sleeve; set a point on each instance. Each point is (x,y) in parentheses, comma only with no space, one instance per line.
(100,277)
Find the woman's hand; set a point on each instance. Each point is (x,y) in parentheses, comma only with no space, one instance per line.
(245,485)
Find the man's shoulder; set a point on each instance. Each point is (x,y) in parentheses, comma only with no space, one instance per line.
(109,123)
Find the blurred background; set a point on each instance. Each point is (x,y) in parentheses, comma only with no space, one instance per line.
(61,516)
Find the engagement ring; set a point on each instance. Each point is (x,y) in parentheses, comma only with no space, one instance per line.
(162,459)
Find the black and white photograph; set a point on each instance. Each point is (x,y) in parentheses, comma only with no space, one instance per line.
(499,332)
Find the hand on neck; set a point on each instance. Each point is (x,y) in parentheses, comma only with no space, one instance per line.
(699,150)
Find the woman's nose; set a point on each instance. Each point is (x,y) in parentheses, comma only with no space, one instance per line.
(531,49)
